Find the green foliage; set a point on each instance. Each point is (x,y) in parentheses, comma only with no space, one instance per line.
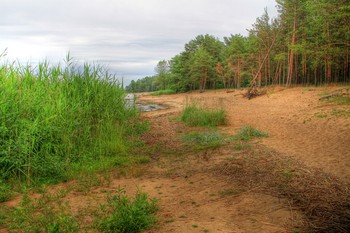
(340,112)
(204,140)
(127,216)
(145,84)
(5,191)
(54,117)
(197,116)
(320,115)
(205,137)
(162,71)
(201,67)
(41,215)
(248,133)
(163,92)
(315,32)
(342,100)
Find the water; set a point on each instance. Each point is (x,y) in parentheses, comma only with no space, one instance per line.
(131,99)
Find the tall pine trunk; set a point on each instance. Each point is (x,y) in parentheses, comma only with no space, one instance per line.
(291,65)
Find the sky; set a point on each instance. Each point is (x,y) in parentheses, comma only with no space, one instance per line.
(128,36)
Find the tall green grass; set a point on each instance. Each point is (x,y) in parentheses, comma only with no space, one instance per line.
(52,117)
(194,115)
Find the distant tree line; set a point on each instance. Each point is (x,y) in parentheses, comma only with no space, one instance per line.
(308,43)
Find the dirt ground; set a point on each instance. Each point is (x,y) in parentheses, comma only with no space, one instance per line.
(299,124)
(193,196)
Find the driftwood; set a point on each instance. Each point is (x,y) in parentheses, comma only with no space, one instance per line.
(254,93)
(339,92)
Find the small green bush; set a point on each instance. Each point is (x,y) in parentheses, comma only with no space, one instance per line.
(248,133)
(163,92)
(122,215)
(197,116)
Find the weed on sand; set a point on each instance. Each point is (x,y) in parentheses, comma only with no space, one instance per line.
(46,214)
(204,139)
(194,115)
(121,214)
(248,133)
(341,100)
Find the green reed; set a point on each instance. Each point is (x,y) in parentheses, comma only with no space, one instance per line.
(53,116)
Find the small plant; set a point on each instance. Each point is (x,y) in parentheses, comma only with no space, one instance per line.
(242,146)
(42,215)
(248,133)
(169,220)
(197,116)
(163,92)
(320,115)
(204,140)
(340,112)
(127,216)
(342,100)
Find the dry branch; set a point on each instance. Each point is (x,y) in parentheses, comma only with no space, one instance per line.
(330,96)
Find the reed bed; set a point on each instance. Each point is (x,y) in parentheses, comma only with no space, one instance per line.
(55,117)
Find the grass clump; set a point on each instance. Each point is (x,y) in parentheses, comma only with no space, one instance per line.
(340,112)
(248,133)
(204,140)
(197,116)
(163,92)
(341,100)
(242,146)
(127,216)
(229,192)
(320,115)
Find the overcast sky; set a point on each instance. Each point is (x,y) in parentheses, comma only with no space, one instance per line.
(130,36)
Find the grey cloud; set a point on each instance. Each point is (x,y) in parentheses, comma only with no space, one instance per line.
(128,35)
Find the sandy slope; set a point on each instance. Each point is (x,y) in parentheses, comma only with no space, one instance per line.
(295,119)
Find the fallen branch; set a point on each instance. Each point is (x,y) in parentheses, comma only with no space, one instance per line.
(330,96)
